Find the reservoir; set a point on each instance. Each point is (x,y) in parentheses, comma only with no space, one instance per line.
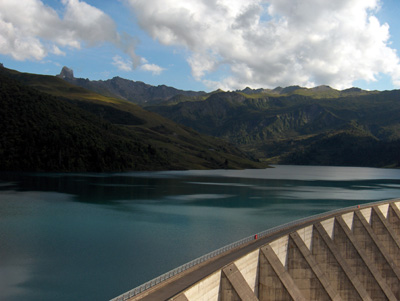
(91,236)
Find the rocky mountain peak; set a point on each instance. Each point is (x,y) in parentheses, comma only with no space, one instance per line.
(66,73)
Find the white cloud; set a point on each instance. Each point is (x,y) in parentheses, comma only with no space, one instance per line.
(155,69)
(127,65)
(29,29)
(57,51)
(83,22)
(275,42)
(121,64)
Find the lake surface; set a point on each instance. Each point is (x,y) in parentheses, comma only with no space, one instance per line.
(96,236)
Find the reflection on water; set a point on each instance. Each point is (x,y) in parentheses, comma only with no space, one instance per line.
(94,236)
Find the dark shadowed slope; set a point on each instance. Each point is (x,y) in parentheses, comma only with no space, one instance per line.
(48,124)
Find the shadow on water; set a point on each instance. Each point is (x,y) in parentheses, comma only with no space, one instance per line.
(121,191)
(149,197)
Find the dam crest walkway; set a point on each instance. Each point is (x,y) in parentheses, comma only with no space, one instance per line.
(347,254)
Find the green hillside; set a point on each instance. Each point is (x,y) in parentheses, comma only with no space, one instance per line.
(319,92)
(358,129)
(48,124)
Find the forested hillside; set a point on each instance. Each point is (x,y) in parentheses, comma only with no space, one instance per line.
(47,124)
(358,129)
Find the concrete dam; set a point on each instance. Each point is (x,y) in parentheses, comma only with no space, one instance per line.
(347,254)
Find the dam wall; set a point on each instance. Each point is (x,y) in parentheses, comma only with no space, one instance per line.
(349,254)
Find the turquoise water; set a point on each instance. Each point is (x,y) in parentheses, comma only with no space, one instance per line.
(95,236)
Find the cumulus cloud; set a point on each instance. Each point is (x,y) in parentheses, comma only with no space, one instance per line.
(153,68)
(29,29)
(275,42)
(127,65)
(121,64)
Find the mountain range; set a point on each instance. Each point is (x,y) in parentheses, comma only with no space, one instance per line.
(133,91)
(48,124)
(147,95)
(291,125)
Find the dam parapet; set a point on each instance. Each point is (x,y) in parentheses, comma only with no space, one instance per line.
(345,254)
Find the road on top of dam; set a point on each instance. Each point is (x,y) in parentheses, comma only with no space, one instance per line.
(184,280)
(180,283)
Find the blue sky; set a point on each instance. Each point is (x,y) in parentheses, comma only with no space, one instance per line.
(207,44)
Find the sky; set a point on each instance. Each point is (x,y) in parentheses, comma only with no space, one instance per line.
(204,45)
